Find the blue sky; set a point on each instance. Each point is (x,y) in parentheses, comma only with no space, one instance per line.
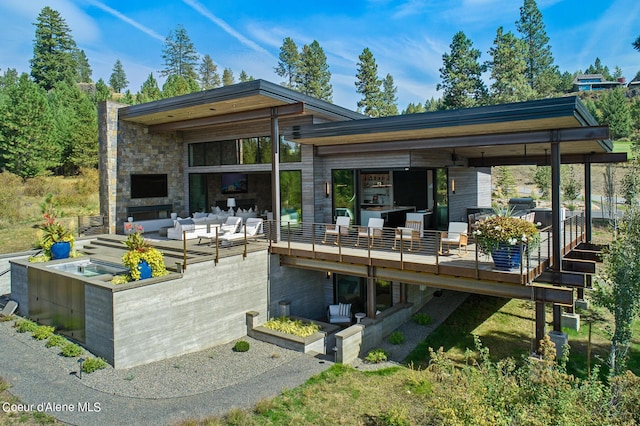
(407,37)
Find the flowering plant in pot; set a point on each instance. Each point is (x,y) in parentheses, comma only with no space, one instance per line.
(502,235)
(142,260)
(57,241)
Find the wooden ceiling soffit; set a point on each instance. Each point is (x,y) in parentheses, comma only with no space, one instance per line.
(600,133)
(541,160)
(256,114)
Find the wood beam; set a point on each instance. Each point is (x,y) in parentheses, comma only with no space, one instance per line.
(570,279)
(575,134)
(578,265)
(256,114)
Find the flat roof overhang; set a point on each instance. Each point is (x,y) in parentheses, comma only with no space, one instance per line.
(516,133)
(230,103)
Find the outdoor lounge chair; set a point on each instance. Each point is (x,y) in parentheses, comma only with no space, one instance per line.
(371,231)
(251,229)
(456,235)
(341,227)
(230,226)
(339,314)
(409,232)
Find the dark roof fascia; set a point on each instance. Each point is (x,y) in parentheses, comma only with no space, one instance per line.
(530,110)
(237,91)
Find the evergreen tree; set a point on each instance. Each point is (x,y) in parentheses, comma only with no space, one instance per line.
(389,97)
(75,127)
(208,74)
(103,93)
(413,108)
(118,79)
(26,143)
(245,77)
(461,75)
(289,63)
(227,77)
(53,50)
(149,90)
(314,77)
(508,68)
(636,44)
(368,85)
(598,68)
(565,81)
(616,113)
(83,69)
(434,105)
(179,54)
(541,73)
(128,98)
(177,85)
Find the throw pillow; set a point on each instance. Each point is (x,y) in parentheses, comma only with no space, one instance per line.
(345,309)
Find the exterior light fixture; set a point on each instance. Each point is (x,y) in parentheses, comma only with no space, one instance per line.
(327,189)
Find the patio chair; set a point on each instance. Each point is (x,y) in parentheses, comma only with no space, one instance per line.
(339,314)
(456,235)
(251,229)
(230,226)
(341,227)
(409,232)
(371,231)
(9,308)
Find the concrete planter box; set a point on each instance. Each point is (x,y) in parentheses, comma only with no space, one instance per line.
(321,342)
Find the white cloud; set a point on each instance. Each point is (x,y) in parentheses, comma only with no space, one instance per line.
(128,20)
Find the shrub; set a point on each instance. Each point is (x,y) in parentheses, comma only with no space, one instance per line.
(92,364)
(290,326)
(422,319)
(376,356)
(43,332)
(71,350)
(56,340)
(241,346)
(25,325)
(396,338)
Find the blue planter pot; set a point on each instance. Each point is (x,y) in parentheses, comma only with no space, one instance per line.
(506,257)
(145,270)
(60,250)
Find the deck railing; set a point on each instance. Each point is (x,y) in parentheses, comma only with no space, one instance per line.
(358,244)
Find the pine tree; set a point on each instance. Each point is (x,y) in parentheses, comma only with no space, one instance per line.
(208,74)
(289,63)
(541,73)
(177,85)
(245,77)
(413,108)
(75,127)
(314,77)
(598,68)
(149,90)
(389,97)
(179,54)
(368,84)
(616,113)
(128,98)
(508,68)
(118,79)
(227,77)
(636,44)
(53,50)
(83,69)
(27,148)
(103,93)
(461,75)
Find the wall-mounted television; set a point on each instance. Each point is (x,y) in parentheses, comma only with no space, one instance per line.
(234,183)
(149,186)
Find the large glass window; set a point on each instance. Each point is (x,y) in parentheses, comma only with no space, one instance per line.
(255,150)
(198,192)
(442,199)
(344,193)
(291,195)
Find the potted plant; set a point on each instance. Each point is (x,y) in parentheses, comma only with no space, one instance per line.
(57,240)
(505,237)
(142,260)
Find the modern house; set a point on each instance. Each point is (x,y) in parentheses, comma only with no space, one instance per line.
(303,162)
(593,82)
